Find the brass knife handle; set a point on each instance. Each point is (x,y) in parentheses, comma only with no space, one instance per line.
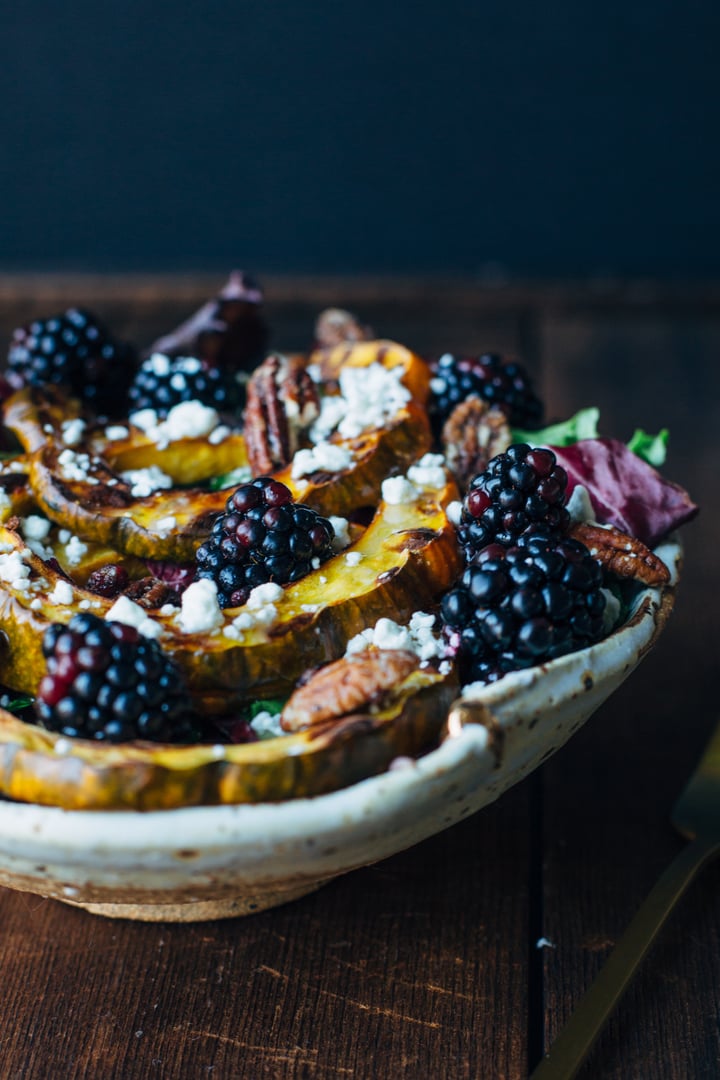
(573,1044)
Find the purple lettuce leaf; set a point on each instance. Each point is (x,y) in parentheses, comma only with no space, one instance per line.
(624,490)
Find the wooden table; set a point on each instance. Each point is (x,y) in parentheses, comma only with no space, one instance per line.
(429,964)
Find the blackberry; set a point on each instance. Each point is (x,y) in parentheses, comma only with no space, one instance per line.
(106,682)
(522,606)
(163,381)
(520,489)
(263,536)
(108,580)
(496,379)
(75,351)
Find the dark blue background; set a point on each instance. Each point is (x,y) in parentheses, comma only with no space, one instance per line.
(522,138)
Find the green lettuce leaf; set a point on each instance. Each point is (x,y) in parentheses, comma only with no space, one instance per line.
(271,705)
(240,475)
(651,448)
(583,425)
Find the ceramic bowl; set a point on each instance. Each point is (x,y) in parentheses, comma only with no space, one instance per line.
(221,861)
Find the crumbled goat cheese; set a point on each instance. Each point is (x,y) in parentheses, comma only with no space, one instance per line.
(36,604)
(14,571)
(35,527)
(454,512)
(168,609)
(398,490)
(166,524)
(341,527)
(266,725)
(416,637)
(264,594)
(188,420)
(219,434)
(323,457)
(579,506)
(259,611)
(368,397)
(200,610)
(5,501)
(144,482)
(428,472)
(75,550)
(116,432)
(62,594)
(72,431)
(126,611)
(74,466)
(145,419)
(354,557)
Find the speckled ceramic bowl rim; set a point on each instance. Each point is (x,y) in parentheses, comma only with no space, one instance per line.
(218,830)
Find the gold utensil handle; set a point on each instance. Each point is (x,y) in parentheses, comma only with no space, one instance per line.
(576,1039)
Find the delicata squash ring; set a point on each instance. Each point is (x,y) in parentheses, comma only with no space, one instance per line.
(82,489)
(209,862)
(265,822)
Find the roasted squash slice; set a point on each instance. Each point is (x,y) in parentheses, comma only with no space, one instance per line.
(406,558)
(80,489)
(40,767)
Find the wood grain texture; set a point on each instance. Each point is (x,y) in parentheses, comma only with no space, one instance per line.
(426,965)
(607,798)
(413,967)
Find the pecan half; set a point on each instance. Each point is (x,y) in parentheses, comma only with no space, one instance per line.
(351,683)
(621,554)
(334,326)
(282,402)
(474,433)
(151,594)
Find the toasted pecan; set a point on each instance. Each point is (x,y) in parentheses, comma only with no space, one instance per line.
(351,683)
(282,402)
(621,554)
(334,325)
(474,433)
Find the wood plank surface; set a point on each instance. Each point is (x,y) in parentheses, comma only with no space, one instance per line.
(426,965)
(415,967)
(608,796)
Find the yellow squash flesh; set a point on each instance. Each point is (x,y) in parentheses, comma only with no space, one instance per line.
(40,767)
(101,507)
(408,557)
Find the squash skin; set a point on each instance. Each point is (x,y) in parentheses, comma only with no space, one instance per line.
(410,556)
(106,512)
(40,767)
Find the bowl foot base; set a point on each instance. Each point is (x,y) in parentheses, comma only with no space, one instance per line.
(197,910)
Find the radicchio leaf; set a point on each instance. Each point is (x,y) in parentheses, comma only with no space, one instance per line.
(624,490)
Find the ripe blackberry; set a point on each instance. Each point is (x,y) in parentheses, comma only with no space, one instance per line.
(106,682)
(522,606)
(263,536)
(520,489)
(163,381)
(73,350)
(497,380)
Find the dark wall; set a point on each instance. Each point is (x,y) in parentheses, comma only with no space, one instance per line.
(486,138)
